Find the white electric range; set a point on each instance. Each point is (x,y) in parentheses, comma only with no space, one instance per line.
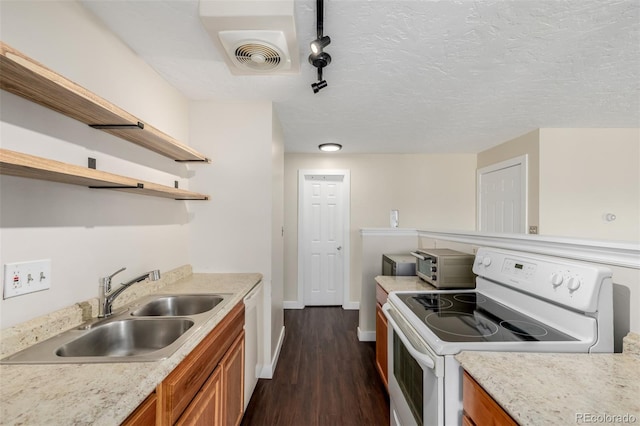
(522,303)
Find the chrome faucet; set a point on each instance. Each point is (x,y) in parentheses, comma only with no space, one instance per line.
(106,296)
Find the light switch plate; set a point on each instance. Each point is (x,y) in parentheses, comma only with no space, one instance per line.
(26,277)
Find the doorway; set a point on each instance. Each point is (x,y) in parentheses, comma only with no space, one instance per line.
(502,197)
(323,237)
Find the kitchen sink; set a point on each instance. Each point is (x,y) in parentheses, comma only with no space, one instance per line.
(150,329)
(127,337)
(179,305)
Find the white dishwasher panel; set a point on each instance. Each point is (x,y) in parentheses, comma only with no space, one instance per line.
(253,309)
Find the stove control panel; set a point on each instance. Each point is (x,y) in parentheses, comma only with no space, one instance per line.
(562,281)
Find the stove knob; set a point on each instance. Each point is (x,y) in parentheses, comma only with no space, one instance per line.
(573,284)
(434,269)
(556,279)
(479,260)
(434,277)
(486,261)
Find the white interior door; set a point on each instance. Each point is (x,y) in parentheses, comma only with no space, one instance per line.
(502,201)
(322,235)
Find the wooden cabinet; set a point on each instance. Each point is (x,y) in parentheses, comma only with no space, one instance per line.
(31,80)
(479,408)
(206,407)
(215,366)
(232,367)
(381,335)
(145,414)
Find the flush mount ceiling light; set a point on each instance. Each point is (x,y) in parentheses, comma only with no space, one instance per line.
(318,57)
(330,147)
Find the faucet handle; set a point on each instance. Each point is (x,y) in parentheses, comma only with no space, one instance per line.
(106,281)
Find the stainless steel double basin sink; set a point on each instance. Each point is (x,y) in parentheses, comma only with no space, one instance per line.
(149,330)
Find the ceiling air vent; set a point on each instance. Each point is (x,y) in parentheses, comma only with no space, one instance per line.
(253,37)
(257,51)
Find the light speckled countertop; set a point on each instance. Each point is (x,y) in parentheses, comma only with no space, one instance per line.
(561,389)
(406,283)
(105,394)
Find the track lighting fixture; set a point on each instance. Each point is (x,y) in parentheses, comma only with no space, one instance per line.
(330,147)
(320,43)
(318,58)
(319,85)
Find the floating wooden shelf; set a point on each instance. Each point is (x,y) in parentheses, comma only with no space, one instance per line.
(29,166)
(25,77)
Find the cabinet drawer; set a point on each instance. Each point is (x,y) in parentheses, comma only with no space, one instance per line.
(182,384)
(480,407)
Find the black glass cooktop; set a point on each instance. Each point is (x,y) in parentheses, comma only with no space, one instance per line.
(473,317)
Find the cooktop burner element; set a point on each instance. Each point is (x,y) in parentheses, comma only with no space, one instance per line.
(474,298)
(474,317)
(524,328)
(461,324)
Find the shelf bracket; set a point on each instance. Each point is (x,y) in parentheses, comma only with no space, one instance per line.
(139,125)
(138,186)
(205,160)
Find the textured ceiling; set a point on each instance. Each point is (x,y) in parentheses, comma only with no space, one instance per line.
(416,76)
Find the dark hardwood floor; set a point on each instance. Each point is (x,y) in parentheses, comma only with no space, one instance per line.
(324,376)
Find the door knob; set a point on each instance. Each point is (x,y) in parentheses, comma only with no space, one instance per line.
(339,248)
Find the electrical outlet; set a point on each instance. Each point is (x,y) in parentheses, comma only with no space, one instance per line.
(26,277)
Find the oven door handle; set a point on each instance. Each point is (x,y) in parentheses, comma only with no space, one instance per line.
(422,358)
(418,255)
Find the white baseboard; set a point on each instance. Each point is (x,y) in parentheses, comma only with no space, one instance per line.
(366,336)
(268,370)
(351,306)
(292,304)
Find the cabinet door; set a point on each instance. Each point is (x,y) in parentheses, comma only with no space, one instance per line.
(381,345)
(206,407)
(232,366)
(178,389)
(145,414)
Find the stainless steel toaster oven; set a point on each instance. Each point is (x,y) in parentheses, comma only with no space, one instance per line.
(445,268)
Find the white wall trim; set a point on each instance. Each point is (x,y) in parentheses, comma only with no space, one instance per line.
(391,232)
(351,306)
(625,254)
(366,336)
(268,370)
(346,194)
(292,304)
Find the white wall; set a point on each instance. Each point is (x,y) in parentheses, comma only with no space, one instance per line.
(86,233)
(586,173)
(234,231)
(276,328)
(429,190)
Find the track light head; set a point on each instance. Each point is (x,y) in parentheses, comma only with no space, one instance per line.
(320,43)
(318,86)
